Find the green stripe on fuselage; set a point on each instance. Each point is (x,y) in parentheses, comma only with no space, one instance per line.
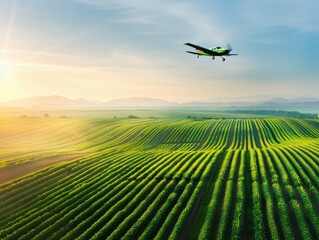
(202,53)
(217,52)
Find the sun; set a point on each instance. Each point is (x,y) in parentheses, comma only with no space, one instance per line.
(5,71)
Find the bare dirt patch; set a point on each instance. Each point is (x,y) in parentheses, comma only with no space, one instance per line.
(13,172)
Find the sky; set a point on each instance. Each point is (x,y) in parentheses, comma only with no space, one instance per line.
(107,49)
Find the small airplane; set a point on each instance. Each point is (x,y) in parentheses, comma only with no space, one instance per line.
(216,51)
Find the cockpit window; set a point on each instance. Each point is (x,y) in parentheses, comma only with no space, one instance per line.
(218,48)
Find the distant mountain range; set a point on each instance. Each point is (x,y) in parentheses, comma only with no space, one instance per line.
(138,102)
(297,104)
(56,101)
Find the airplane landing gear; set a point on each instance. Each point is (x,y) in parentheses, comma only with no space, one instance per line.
(197,56)
(223,59)
(213,57)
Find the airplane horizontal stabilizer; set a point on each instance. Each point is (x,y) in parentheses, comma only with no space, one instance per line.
(192,52)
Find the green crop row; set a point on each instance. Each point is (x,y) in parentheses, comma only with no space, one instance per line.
(162,179)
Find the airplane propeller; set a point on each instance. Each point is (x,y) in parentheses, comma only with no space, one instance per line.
(229,47)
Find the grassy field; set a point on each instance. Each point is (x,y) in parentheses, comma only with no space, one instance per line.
(249,178)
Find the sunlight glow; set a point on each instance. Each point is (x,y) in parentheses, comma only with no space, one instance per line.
(5,71)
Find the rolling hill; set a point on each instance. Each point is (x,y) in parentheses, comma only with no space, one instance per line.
(56,101)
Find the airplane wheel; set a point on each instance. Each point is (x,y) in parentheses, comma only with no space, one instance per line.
(223,59)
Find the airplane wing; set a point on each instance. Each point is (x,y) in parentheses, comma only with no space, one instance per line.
(205,50)
(234,54)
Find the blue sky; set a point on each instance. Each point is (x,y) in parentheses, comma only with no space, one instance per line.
(106,49)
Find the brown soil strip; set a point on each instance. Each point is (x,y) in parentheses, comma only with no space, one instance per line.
(13,172)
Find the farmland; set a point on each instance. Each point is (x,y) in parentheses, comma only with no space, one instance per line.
(249,178)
